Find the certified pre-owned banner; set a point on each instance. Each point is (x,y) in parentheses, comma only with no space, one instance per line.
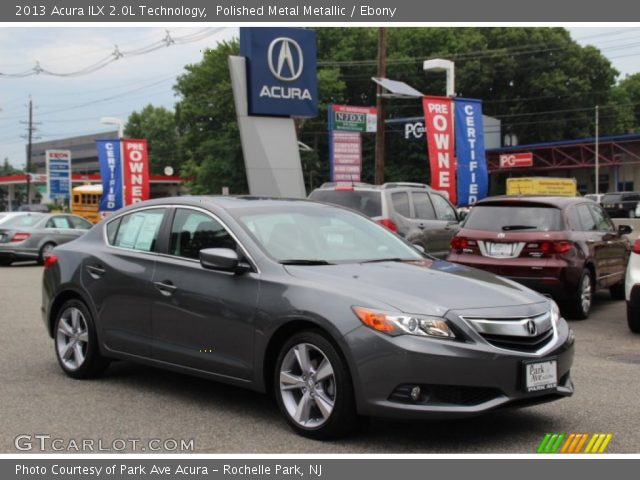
(438,117)
(111,173)
(472,164)
(136,171)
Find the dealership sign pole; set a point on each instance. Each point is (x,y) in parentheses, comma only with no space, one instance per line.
(58,175)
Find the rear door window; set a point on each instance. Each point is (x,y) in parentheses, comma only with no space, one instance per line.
(517,217)
(422,207)
(139,230)
(587,221)
(602,221)
(400,201)
(366,202)
(59,222)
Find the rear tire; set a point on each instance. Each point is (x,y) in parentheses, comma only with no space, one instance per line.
(313,387)
(5,262)
(633,318)
(617,291)
(45,251)
(579,305)
(76,342)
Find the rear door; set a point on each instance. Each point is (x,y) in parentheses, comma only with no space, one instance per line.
(59,229)
(433,228)
(203,319)
(594,239)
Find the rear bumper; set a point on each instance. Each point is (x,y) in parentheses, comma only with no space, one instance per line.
(550,276)
(17,252)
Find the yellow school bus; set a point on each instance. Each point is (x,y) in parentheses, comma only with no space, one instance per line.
(85,202)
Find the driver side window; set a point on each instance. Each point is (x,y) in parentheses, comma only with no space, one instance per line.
(193,231)
(443,209)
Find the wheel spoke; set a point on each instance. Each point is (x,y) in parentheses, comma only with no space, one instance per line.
(288,381)
(83,336)
(66,352)
(325,405)
(303,410)
(302,356)
(324,371)
(75,318)
(78,354)
(64,327)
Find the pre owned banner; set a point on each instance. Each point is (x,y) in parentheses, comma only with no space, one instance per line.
(111,173)
(136,171)
(438,116)
(471,175)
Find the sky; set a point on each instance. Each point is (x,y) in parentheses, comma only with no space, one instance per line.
(70,106)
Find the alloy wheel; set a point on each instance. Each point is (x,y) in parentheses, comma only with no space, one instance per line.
(307,385)
(72,338)
(585,294)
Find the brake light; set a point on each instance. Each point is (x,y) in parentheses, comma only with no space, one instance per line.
(558,246)
(20,237)
(636,246)
(459,243)
(343,188)
(386,222)
(50,261)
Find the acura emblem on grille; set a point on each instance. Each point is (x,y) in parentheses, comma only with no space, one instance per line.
(531,327)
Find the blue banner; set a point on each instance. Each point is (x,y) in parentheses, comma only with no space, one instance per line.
(111,173)
(472,164)
(58,174)
(281,71)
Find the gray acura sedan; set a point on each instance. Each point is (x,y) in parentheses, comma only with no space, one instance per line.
(333,314)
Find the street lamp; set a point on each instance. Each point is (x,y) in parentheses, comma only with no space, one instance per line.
(441,65)
(114,121)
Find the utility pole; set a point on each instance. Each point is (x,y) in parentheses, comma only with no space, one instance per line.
(30,140)
(382,73)
(597,153)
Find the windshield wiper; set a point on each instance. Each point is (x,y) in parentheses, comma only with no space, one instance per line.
(518,227)
(304,261)
(394,259)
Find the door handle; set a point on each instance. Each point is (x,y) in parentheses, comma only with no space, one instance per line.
(96,272)
(166,288)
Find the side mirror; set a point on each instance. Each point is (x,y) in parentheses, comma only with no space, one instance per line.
(419,247)
(462,214)
(222,259)
(625,229)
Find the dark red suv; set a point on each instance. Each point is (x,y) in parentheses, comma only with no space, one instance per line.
(563,246)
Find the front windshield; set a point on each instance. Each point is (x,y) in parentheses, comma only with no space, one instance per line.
(322,234)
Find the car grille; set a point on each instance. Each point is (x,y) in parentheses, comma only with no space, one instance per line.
(446,394)
(523,334)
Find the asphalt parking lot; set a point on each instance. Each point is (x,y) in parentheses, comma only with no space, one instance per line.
(132,401)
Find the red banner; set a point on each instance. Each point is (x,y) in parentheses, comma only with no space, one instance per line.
(438,117)
(513,160)
(136,171)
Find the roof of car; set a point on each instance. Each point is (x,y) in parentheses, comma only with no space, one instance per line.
(226,202)
(556,201)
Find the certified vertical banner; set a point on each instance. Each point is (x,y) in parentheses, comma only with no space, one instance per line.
(136,171)
(58,174)
(438,117)
(472,164)
(111,173)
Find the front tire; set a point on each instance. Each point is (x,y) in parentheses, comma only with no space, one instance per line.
(313,387)
(579,305)
(633,318)
(76,342)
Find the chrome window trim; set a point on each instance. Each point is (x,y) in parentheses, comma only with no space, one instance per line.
(252,262)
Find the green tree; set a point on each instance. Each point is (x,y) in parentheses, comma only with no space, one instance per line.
(158,126)
(627,99)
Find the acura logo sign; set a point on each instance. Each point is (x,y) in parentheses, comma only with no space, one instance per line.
(284,65)
(531,327)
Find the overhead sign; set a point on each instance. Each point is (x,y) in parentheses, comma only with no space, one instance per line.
(111,173)
(515,160)
(281,71)
(471,172)
(438,113)
(345,153)
(136,171)
(58,174)
(353,119)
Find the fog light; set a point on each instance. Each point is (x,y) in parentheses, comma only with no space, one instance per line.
(571,338)
(415,393)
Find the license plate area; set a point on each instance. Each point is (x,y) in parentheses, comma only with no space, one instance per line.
(540,375)
(500,249)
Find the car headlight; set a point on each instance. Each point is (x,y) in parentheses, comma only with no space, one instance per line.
(395,324)
(555,313)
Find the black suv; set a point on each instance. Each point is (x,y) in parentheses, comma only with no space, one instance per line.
(415,211)
(621,204)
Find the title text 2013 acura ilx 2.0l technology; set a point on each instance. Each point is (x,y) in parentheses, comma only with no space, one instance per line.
(335,315)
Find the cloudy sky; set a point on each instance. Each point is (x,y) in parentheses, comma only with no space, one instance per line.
(69,106)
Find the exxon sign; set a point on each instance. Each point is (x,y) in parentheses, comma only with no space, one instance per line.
(281,71)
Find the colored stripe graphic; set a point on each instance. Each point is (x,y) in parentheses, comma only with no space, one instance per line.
(574,442)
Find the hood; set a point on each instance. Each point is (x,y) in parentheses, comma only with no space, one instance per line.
(430,287)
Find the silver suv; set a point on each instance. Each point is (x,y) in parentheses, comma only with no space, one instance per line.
(415,211)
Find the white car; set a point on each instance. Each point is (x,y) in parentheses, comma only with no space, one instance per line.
(638,210)
(4,216)
(632,288)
